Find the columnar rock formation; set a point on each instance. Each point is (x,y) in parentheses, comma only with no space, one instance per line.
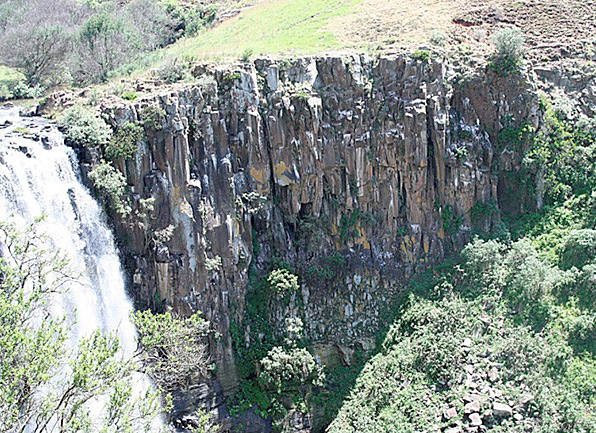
(356,171)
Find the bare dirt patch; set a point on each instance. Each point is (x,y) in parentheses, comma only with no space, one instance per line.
(554,29)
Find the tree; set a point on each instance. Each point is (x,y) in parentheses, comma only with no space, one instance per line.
(173,350)
(36,39)
(509,51)
(43,387)
(103,45)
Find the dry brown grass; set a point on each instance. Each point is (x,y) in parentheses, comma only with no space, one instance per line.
(554,29)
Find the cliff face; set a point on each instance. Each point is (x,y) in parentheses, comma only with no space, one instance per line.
(356,171)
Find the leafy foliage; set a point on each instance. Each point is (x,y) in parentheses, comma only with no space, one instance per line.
(279,374)
(174,350)
(111,184)
(125,141)
(152,118)
(282,282)
(83,127)
(69,41)
(36,391)
(422,55)
(509,51)
(496,299)
(283,368)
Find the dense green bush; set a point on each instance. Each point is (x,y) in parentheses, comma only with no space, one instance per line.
(152,118)
(125,141)
(579,249)
(430,353)
(45,385)
(509,51)
(285,368)
(19,89)
(83,127)
(111,184)
(129,95)
(422,55)
(283,282)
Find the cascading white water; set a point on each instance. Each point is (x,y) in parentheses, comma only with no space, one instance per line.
(39,176)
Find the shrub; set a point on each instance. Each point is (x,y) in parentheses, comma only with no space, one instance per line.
(171,71)
(174,349)
(438,38)
(481,264)
(579,249)
(283,282)
(83,127)
(232,76)
(451,221)
(529,282)
(509,51)
(283,368)
(111,184)
(422,55)
(21,90)
(129,95)
(125,142)
(246,55)
(152,117)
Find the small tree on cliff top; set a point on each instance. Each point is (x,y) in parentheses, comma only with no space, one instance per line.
(509,51)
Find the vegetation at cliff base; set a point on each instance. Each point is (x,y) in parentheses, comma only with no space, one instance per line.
(45,386)
(503,336)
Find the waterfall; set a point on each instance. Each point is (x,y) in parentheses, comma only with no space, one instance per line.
(39,176)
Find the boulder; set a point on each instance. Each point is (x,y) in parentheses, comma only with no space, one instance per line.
(501,410)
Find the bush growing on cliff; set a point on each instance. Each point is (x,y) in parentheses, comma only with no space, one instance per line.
(579,249)
(152,118)
(111,184)
(284,368)
(283,282)
(509,51)
(125,141)
(422,55)
(174,350)
(83,127)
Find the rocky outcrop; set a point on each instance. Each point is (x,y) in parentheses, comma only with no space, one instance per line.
(357,171)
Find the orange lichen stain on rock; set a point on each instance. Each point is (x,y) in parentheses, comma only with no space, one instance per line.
(256,174)
(283,174)
(362,240)
(406,250)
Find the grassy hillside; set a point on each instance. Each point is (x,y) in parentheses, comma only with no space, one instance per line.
(272,26)
(303,27)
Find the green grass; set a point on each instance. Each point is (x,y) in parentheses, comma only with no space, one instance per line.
(272,27)
(6,76)
(9,74)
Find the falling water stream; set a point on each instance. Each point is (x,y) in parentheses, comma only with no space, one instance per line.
(39,176)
